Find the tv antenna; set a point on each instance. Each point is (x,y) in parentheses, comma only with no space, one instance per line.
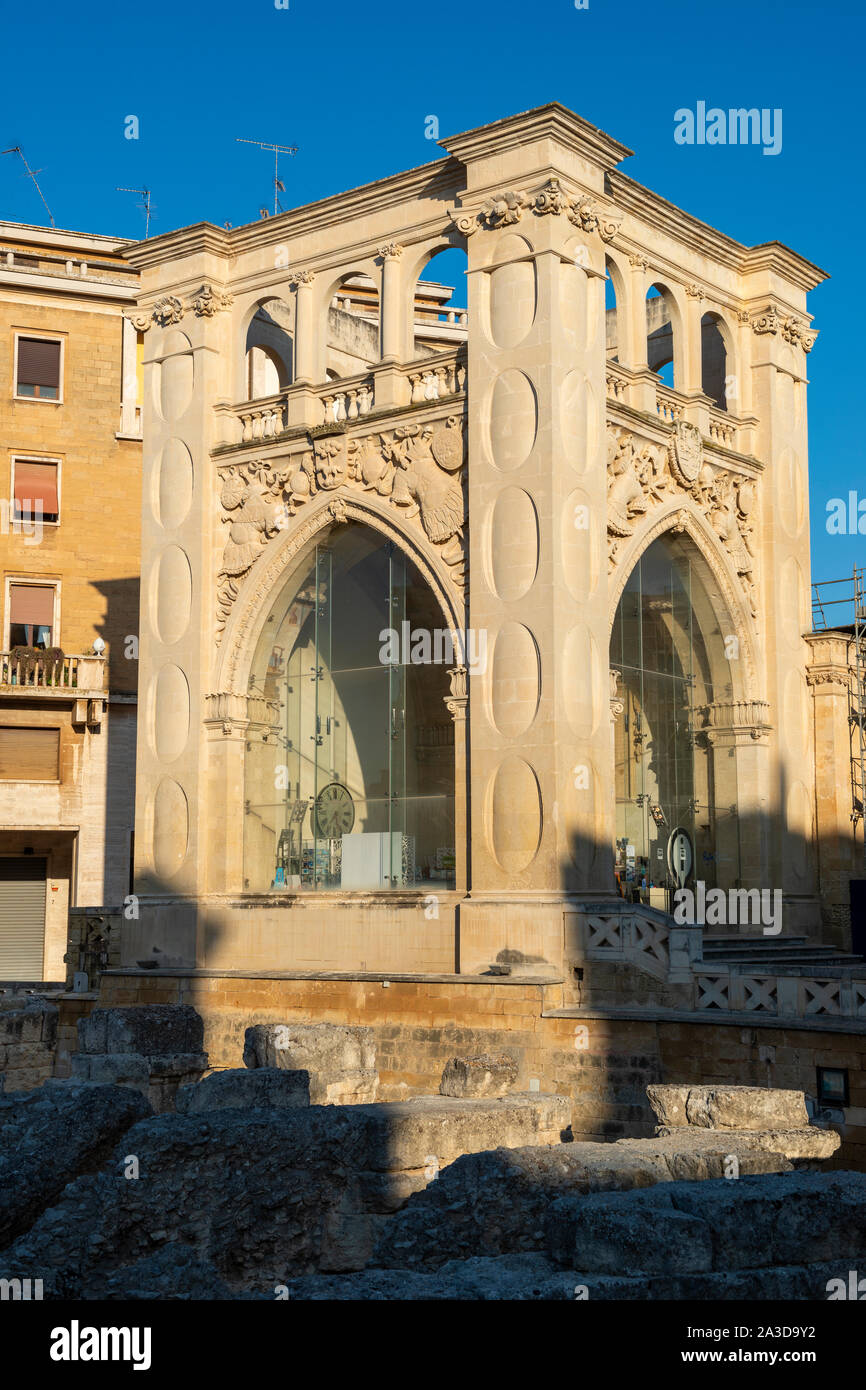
(31,173)
(279,186)
(145,206)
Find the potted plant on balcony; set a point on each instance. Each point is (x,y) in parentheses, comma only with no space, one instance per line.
(24,662)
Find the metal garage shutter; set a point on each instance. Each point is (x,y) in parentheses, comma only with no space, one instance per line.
(22,917)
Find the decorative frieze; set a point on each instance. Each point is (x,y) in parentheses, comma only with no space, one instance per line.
(207,301)
(418,468)
(644,476)
(794,330)
(506,208)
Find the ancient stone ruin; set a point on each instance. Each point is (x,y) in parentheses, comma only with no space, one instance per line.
(145,1175)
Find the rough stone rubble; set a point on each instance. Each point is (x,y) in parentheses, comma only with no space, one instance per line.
(255,1180)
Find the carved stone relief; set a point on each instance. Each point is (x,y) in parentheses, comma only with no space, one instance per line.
(505,208)
(641,476)
(418,468)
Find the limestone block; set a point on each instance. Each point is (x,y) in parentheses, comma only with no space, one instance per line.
(628,1233)
(112,1069)
(804,1145)
(27,1020)
(729,1107)
(266,1087)
(796,1218)
(489,1074)
(341,1062)
(147,1029)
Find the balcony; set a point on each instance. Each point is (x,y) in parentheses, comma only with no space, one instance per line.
(70,677)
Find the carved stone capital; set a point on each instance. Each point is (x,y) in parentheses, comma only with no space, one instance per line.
(141,320)
(391,251)
(208,301)
(299,278)
(167,310)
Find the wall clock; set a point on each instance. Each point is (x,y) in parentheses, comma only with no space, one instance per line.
(335,811)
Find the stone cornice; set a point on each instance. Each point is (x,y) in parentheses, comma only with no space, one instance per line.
(443,178)
(699,236)
(552,121)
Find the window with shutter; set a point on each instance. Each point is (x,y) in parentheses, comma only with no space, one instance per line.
(38,368)
(29,755)
(31,615)
(36,490)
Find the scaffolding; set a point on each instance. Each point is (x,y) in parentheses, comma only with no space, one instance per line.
(849,596)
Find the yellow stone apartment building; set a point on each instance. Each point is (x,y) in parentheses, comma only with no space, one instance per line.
(70,470)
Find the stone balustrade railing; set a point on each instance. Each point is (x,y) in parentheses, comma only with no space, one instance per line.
(347,399)
(650,941)
(261,419)
(781,996)
(436,377)
(72,673)
(722,429)
(616,385)
(669,407)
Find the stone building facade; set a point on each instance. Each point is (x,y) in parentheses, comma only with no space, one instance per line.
(70,481)
(588,488)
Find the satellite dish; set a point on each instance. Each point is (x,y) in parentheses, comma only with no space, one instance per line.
(680,855)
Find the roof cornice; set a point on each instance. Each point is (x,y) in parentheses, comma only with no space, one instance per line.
(651,207)
(441,178)
(552,121)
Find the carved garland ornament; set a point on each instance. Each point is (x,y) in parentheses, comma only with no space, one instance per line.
(418,468)
(642,476)
(168,310)
(796,331)
(506,208)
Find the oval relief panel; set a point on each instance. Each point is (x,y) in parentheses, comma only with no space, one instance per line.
(513,421)
(172,595)
(515,680)
(176,375)
(170,828)
(582,686)
(514,815)
(171,710)
(512,293)
(173,482)
(581,545)
(513,539)
(577,421)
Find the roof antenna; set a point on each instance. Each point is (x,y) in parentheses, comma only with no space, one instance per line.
(145,206)
(279,186)
(16,149)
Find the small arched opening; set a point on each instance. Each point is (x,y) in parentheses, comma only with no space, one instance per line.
(439,314)
(714,360)
(660,342)
(269,349)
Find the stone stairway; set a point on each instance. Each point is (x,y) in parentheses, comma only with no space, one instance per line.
(782,954)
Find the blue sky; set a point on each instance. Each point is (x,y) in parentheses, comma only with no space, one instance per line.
(351,85)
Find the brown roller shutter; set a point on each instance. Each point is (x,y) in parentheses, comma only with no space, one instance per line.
(22,918)
(35,482)
(31,604)
(38,362)
(29,755)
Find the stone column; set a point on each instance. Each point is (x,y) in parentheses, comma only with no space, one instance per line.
(541,767)
(187,369)
(778,363)
(129,384)
(837,739)
(391,388)
(304,407)
(457,704)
